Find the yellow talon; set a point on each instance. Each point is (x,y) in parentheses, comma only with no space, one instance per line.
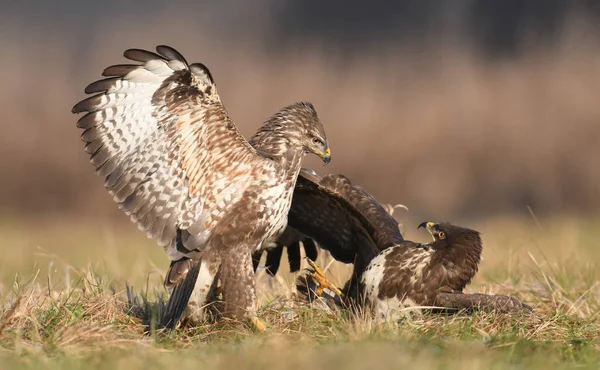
(258,324)
(320,278)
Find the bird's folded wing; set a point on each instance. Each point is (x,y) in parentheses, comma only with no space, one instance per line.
(170,156)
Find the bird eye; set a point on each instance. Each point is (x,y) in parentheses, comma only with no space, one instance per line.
(441,235)
(317,141)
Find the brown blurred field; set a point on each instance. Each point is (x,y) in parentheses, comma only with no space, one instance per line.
(439,128)
(508,146)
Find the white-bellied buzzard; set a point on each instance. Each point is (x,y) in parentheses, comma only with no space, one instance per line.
(174,161)
(342,218)
(389,272)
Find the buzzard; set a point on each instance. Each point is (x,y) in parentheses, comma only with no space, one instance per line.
(174,161)
(389,272)
(430,274)
(342,218)
(412,274)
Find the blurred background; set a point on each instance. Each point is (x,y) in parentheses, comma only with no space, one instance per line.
(470,109)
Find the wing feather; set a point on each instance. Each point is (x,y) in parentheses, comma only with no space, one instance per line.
(159,135)
(140,55)
(273,260)
(119,70)
(170,54)
(382,226)
(341,218)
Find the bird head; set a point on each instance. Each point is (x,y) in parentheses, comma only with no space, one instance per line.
(320,147)
(295,127)
(449,235)
(436,231)
(459,248)
(313,138)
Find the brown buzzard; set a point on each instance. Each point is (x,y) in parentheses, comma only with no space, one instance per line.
(174,161)
(389,272)
(342,218)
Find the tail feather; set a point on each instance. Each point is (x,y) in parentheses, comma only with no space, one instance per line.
(180,297)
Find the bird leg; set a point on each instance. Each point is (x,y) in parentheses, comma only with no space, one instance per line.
(255,322)
(320,278)
(239,292)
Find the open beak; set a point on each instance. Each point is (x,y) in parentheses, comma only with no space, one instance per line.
(427,225)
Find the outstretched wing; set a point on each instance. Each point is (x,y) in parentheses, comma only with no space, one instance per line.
(379,223)
(169,153)
(342,218)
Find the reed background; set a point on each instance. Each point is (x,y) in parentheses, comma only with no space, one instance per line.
(449,116)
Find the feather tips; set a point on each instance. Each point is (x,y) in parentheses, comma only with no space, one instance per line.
(202,72)
(119,70)
(145,131)
(170,54)
(140,55)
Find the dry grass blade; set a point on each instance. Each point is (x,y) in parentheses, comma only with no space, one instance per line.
(9,314)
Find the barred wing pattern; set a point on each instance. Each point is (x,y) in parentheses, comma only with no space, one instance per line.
(169,153)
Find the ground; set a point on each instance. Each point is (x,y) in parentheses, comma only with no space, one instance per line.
(64,304)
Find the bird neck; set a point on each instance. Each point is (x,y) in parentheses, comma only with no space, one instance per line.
(464,252)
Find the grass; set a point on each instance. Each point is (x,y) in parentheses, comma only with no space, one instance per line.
(61,308)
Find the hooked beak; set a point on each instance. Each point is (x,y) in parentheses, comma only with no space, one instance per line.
(325,155)
(427,225)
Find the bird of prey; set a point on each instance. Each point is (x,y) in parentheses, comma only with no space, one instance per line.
(412,274)
(389,272)
(174,161)
(430,274)
(342,218)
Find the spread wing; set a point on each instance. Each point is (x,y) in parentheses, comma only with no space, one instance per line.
(378,222)
(170,155)
(341,217)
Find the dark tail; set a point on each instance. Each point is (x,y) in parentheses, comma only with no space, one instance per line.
(180,297)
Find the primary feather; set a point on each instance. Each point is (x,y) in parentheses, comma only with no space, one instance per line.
(156,134)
